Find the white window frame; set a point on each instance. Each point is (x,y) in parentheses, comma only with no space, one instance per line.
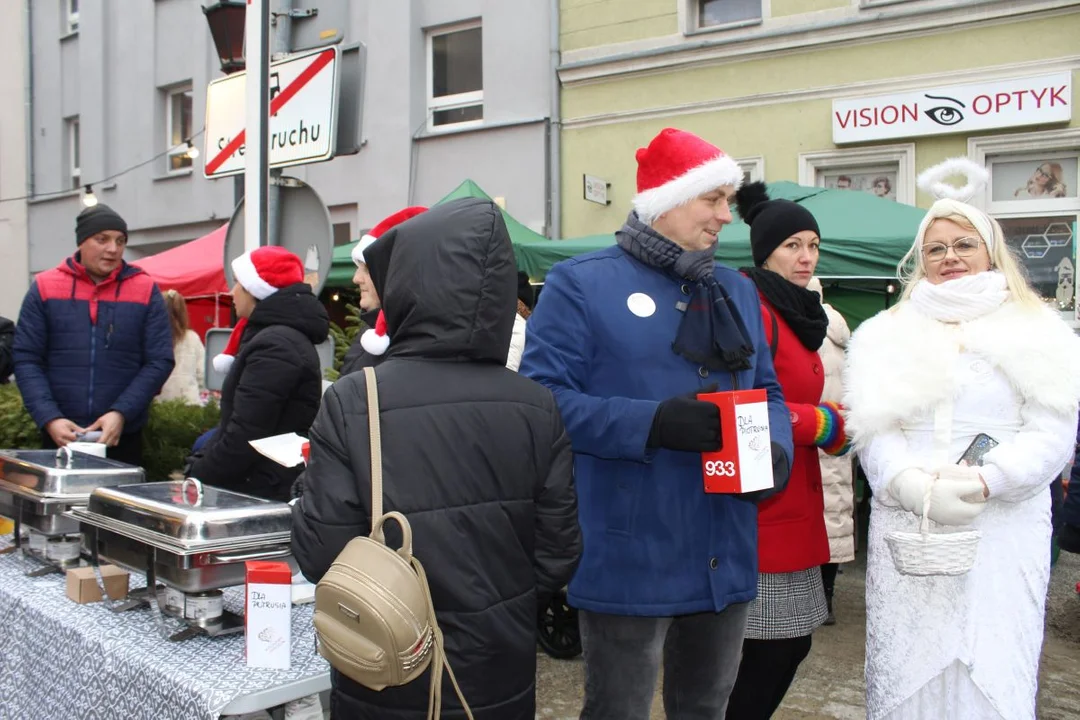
(74,152)
(985,150)
(180,148)
(754,165)
(689,13)
(71,8)
(450,102)
(812,164)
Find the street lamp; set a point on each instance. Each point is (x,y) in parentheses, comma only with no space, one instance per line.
(226,19)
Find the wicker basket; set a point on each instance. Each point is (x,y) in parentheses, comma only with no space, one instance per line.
(925,553)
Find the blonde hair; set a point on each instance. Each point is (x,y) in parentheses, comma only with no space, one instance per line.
(178,316)
(912,267)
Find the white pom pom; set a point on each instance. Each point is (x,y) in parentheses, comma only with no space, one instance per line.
(932,179)
(223,362)
(374,343)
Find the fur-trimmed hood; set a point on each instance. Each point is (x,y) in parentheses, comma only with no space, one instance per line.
(894,368)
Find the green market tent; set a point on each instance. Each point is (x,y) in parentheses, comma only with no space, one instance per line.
(863,239)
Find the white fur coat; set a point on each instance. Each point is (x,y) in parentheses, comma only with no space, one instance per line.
(1014,373)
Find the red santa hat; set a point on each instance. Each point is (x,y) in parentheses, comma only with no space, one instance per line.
(371,236)
(677,167)
(262,272)
(375,340)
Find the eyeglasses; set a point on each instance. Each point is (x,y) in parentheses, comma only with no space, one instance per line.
(963,247)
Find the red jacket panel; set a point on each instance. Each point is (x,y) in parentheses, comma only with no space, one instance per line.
(791,525)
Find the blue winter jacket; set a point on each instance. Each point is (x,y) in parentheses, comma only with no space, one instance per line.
(655,543)
(83,349)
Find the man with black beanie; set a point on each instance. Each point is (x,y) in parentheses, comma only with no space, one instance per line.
(93,344)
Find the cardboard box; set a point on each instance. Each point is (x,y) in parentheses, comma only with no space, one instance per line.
(744,463)
(82,586)
(268,615)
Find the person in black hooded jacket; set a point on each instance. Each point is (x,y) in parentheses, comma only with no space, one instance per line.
(474,455)
(274,381)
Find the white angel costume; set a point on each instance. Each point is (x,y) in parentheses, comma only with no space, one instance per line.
(966,646)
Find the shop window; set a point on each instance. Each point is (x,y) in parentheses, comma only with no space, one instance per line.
(455,77)
(884,171)
(753,169)
(719,13)
(342,234)
(178,105)
(1033,193)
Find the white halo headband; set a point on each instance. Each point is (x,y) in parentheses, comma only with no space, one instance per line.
(932,179)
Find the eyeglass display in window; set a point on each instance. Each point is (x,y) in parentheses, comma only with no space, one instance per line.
(879,182)
(1046,179)
(1046,247)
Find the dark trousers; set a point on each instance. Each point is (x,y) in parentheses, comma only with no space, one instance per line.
(623,655)
(765,674)
(128,450)
(828,578)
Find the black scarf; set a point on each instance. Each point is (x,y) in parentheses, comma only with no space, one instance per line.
(800,308)
(711,332)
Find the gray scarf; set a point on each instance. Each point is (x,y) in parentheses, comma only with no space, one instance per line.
(712,332)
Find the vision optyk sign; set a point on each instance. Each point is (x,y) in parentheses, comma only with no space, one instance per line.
(303,114)
(954,109)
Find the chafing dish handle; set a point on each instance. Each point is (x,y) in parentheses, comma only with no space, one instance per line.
(64,451)
(225,558)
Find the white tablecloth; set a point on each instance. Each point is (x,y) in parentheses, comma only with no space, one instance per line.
(62,660)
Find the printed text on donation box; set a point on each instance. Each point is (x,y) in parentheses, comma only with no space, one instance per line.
(744,462)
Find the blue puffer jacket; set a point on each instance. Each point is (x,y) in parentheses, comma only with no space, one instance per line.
(655,543)
(83,349)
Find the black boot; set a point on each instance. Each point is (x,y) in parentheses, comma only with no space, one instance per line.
(831,619)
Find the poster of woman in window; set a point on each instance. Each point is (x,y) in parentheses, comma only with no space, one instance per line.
(880,183)
(1048,179)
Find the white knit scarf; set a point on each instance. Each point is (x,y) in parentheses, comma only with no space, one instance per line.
(965,298)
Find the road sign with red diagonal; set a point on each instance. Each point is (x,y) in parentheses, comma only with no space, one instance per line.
(303,114)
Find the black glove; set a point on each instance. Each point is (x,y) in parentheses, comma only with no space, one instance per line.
(686,423)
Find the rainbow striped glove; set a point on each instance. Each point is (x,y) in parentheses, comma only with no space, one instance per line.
(830,435)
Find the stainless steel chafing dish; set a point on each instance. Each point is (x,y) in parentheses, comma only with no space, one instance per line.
(37,488)
(192,538)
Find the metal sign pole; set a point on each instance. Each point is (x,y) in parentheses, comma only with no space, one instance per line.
(256,151)
(280,47)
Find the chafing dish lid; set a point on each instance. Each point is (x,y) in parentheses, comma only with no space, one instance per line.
(53,473)
(189,513)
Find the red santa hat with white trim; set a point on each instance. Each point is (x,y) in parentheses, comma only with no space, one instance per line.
(262,272)
(375,340)
(677,167)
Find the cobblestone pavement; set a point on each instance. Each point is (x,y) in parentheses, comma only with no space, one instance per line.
(830,681)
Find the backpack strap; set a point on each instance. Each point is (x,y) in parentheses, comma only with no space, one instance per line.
(375,438)
(774,336)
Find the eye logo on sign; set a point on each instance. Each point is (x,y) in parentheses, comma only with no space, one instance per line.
(944,114)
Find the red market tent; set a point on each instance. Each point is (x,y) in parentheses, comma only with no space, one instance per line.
(195,270)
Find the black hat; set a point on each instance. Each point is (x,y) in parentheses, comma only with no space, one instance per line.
(97,219)
(525,291)
(771,221)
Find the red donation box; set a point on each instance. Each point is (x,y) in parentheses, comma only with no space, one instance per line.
(744,463)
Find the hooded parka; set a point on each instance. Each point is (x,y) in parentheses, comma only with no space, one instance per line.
(273,387)
(473,454)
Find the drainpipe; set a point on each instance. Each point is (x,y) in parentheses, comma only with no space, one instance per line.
(28,83)
(554,205)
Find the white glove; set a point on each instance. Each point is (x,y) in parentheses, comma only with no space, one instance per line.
(964,473)
(946,504)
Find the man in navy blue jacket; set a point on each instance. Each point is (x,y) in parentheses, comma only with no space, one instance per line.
(625,338)
(93,345)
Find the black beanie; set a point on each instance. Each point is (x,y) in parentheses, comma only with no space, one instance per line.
(97,219)
(771,221)
(525,290)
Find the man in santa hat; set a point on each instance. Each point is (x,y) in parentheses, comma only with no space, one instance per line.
(369,349)
(626,338)
(274,381)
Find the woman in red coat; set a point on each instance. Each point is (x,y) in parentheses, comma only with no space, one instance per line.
(792,540)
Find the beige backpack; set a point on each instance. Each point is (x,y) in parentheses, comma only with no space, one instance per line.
(374,619)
